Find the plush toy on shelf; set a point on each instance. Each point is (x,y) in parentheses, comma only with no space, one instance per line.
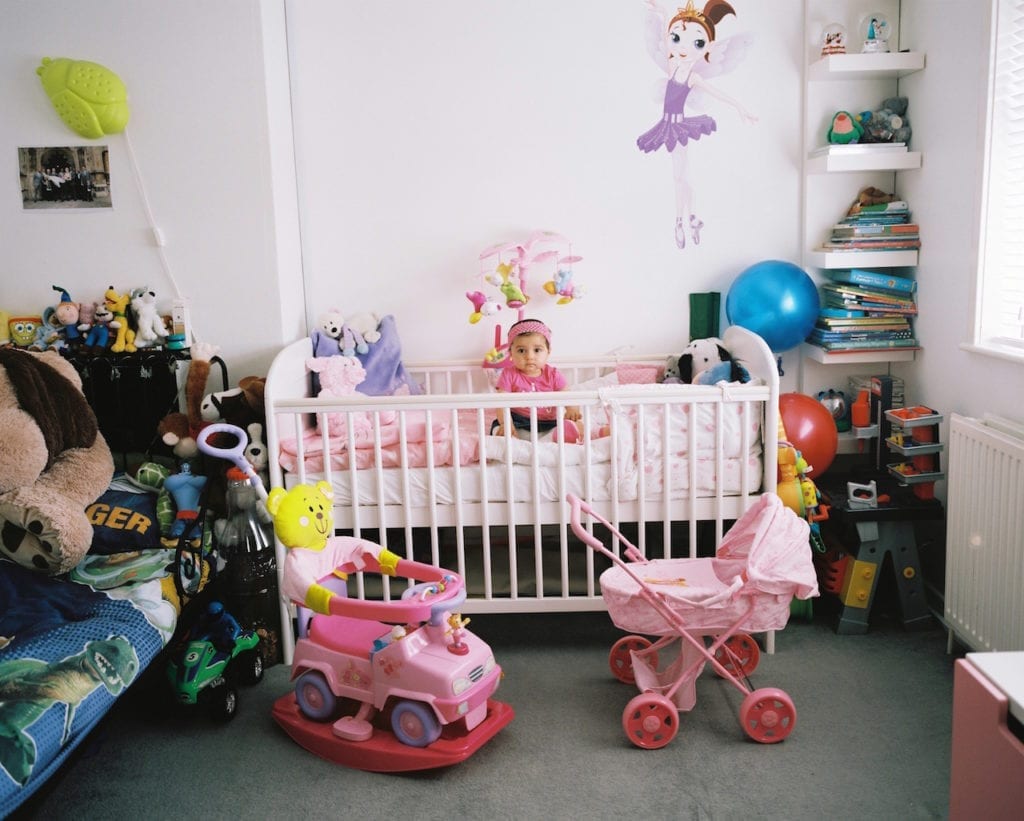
(95,326)
(124,337)
(149,325)
(888,124)
(64,317)
(845,129)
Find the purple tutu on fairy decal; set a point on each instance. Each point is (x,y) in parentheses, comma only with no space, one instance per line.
(674,127)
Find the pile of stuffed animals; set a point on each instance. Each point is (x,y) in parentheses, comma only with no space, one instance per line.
(54,462)
(117,323)
(887,124)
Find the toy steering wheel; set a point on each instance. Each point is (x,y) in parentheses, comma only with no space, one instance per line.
(424,602)
(441,600)
(234,454)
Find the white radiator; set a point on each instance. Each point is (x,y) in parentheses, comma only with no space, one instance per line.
(984,598)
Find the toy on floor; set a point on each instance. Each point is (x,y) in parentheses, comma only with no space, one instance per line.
(216,656)
(711,606)
(386,686)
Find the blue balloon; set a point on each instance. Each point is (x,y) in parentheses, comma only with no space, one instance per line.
(776,300)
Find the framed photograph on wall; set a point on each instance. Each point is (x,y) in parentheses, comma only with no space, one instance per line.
(64,177)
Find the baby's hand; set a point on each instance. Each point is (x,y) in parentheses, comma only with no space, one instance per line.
(572,413)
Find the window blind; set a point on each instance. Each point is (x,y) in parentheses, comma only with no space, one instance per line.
(1002,263)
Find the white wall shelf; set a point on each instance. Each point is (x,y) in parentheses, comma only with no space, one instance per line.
(862,259)
(852,82)
(881,161)
(865,66)
(813,352)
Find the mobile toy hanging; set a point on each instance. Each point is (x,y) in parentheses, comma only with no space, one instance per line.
(513,264)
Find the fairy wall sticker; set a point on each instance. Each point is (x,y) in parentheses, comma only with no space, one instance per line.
(685,46)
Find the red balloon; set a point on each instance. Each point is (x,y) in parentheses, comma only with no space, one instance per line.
(811,429)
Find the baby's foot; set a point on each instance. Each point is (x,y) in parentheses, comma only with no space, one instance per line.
(570,432)
(695,226)
(680,232)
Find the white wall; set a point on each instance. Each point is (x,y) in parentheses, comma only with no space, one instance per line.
(448,128)
(199,127)
(948,111)
(427,132)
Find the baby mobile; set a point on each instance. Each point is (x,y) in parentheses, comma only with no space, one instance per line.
(513,263)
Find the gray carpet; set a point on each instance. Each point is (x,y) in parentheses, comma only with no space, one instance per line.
(872,741)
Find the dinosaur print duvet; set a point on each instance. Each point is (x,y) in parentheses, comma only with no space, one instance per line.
(67,651)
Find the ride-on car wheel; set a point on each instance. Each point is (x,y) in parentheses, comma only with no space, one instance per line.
(250,667)
(314,697)
(221,701)
(621,663)
(415,724)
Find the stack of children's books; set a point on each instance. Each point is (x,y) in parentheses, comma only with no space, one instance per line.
(882,227)
(865,310)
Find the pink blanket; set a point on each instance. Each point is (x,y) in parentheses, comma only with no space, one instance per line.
(418,445)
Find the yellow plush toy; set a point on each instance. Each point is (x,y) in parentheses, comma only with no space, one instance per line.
(304,523)
(117,304)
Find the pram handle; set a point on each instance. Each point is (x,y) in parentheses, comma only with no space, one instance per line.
(576,506)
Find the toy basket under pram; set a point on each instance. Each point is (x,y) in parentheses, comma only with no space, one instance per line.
(710,605)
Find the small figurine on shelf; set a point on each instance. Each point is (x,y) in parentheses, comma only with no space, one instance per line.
(876,34)
(833,39)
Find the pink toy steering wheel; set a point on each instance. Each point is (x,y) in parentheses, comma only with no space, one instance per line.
(234,454)
(425,602)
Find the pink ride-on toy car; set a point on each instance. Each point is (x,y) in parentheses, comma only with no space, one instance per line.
(394,685)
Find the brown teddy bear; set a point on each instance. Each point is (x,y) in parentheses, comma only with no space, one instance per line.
(179,430)
(54,462)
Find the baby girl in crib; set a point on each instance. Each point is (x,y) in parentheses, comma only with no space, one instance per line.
(529,343)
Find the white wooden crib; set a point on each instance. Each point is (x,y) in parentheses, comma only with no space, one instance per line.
(417,483)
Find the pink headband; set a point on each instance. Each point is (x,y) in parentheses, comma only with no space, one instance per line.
(529,326)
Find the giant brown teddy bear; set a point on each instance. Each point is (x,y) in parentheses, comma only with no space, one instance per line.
(53,461)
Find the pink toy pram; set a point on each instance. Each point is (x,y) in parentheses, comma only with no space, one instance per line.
(711,605)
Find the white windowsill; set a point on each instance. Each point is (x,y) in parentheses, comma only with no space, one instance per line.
(1006,352)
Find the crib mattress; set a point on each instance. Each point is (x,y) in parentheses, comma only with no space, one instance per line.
(419,487)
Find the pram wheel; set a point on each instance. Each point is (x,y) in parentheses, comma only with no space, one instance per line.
(621,663)
(650,720)
(739,654)
(768,715)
